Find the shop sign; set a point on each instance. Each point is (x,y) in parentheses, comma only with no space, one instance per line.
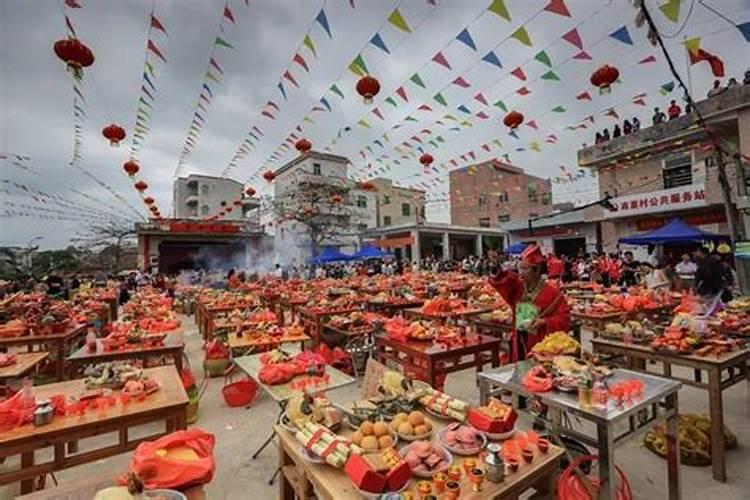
(665,200)
(203,228)
(742,250)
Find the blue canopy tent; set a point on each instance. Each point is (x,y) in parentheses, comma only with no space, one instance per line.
(370,252)
(677,231)
(330,254)
(516,248)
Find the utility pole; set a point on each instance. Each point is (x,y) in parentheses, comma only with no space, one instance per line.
(735,229)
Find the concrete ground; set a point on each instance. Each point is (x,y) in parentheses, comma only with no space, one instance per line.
(240,431)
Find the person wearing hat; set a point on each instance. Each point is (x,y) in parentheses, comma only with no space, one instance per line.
(539,307)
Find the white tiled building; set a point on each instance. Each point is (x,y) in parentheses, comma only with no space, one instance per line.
(197,196)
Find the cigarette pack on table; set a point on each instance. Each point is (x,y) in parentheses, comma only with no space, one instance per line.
(365,476)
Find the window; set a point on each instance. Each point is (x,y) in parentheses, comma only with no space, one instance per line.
(204,189)
(316,169)
(204,210)
(546,198)
(482,200)
(405,209)
(361,227)
(677,171)
(362,201)
(503,197)
(503,218)
(484,222)
(386,220)
(532,194)
(533,215)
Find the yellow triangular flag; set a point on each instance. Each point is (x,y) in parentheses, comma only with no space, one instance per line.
(363,123)
(693,45)
(671,10)
(398,21)
(498,7)
(535,146)
(522,36)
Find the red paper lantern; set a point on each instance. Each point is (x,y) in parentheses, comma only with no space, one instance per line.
(367,186)
(131,168)
(513,119)
(604,77)
(426,159)
(337,199)
(148,201)
(223,203)
(368,87)
(269,176)
(75,55)
(140,186)
(303,145)
(250,191)
(237,203)
(114,133)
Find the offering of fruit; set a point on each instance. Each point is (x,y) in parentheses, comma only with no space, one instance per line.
(411,426)
(555,344)
(462,439)
(676,340)
(373,436)
(425,458)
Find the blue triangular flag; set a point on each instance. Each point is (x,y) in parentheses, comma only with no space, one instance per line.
(465,37)
(324,102)
(464,109)
(622,35)
(668,87)
(281,89)
(377,41)
(513,134)
(323,21)
(745,30)
(492,58)
(377,141)
(199,116)
(148,80)
(205,86)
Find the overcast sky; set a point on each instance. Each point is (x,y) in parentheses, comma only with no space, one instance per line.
(36,95)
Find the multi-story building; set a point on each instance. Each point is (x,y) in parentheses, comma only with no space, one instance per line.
(397,205)
(492,192)
(316,204)
(197,196)
(670,170)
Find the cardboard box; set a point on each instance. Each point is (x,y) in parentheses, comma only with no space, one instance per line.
(366,479)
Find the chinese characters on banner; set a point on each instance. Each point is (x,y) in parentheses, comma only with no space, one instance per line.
(665,200)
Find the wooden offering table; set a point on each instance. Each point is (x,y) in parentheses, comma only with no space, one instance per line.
(313,320)
(172,347)
(168,405)
(251,341)
(58,344)
(449,317)
(597,322)
(434,359)
(305,480)
(723,372)
(392,308)
(25,362)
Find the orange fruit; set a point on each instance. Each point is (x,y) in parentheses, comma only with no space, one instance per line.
(416,418)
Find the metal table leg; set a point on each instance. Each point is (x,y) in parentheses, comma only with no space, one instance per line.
(673,448)
(270,438)
(607,472)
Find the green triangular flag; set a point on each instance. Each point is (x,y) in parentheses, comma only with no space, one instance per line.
(222,42)
(336,91)
(307,42)
(498,7)
(671,10)
(543,58)
(141,110)
(497,141)
(522,36)
(440,138)
(501,105)
(410,119)
(558,109)
(439,98)
(551,75)
(308,120)
(398,21)
(385,137)
(150,68)
(391,101)
(358,67)
(363,123)
(211,76)
(449,117)
(143,101)
(467,123)
(417,80)
(432,143)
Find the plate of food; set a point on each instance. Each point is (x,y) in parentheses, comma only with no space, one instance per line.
(412,427)
(462,439)
(426,458)
(310,456)
(374,436)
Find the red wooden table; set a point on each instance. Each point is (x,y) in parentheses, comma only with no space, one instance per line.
(434,359)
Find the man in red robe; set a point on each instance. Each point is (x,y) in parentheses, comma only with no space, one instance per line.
(539,307)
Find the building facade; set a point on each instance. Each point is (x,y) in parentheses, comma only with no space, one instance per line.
(670,170)
(316,204)
(491,193)
(565,233)
(397,205)
(197,196)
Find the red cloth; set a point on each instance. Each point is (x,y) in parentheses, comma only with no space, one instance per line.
(532,255)
(674,111)
(555,267)
(717,65)
(553,308)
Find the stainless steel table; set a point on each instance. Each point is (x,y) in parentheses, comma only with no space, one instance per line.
(659,402)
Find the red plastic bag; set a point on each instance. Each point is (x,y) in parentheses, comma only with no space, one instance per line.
(279,373)
(216,350)
(159,470)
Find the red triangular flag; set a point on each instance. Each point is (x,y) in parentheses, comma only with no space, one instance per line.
(532,124)
(402,93)
(155,50)
(213,63)
(611,112)
(72,4)
(228,13)
(590,118)
(518,73)
(482,115)
(424,107)
(523,91)
(558,7)
(473,156)
(441,60)
(479,97)
(582,56)
(301,61)
(486,147)
(574,38)
(268,114)
(376,112)
(648,59)
(639,102)
(289,77)
(461,82)
(157,25)
(717,65)
(583,95)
